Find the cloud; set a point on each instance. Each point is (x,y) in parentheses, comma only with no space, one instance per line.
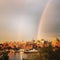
(19,18)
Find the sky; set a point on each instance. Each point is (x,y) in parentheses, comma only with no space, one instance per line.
(49,27)
(19,19)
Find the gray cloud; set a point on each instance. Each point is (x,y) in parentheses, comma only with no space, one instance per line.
(19,18)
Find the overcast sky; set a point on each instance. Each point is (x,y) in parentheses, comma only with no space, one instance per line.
(19,19)
(50,21)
